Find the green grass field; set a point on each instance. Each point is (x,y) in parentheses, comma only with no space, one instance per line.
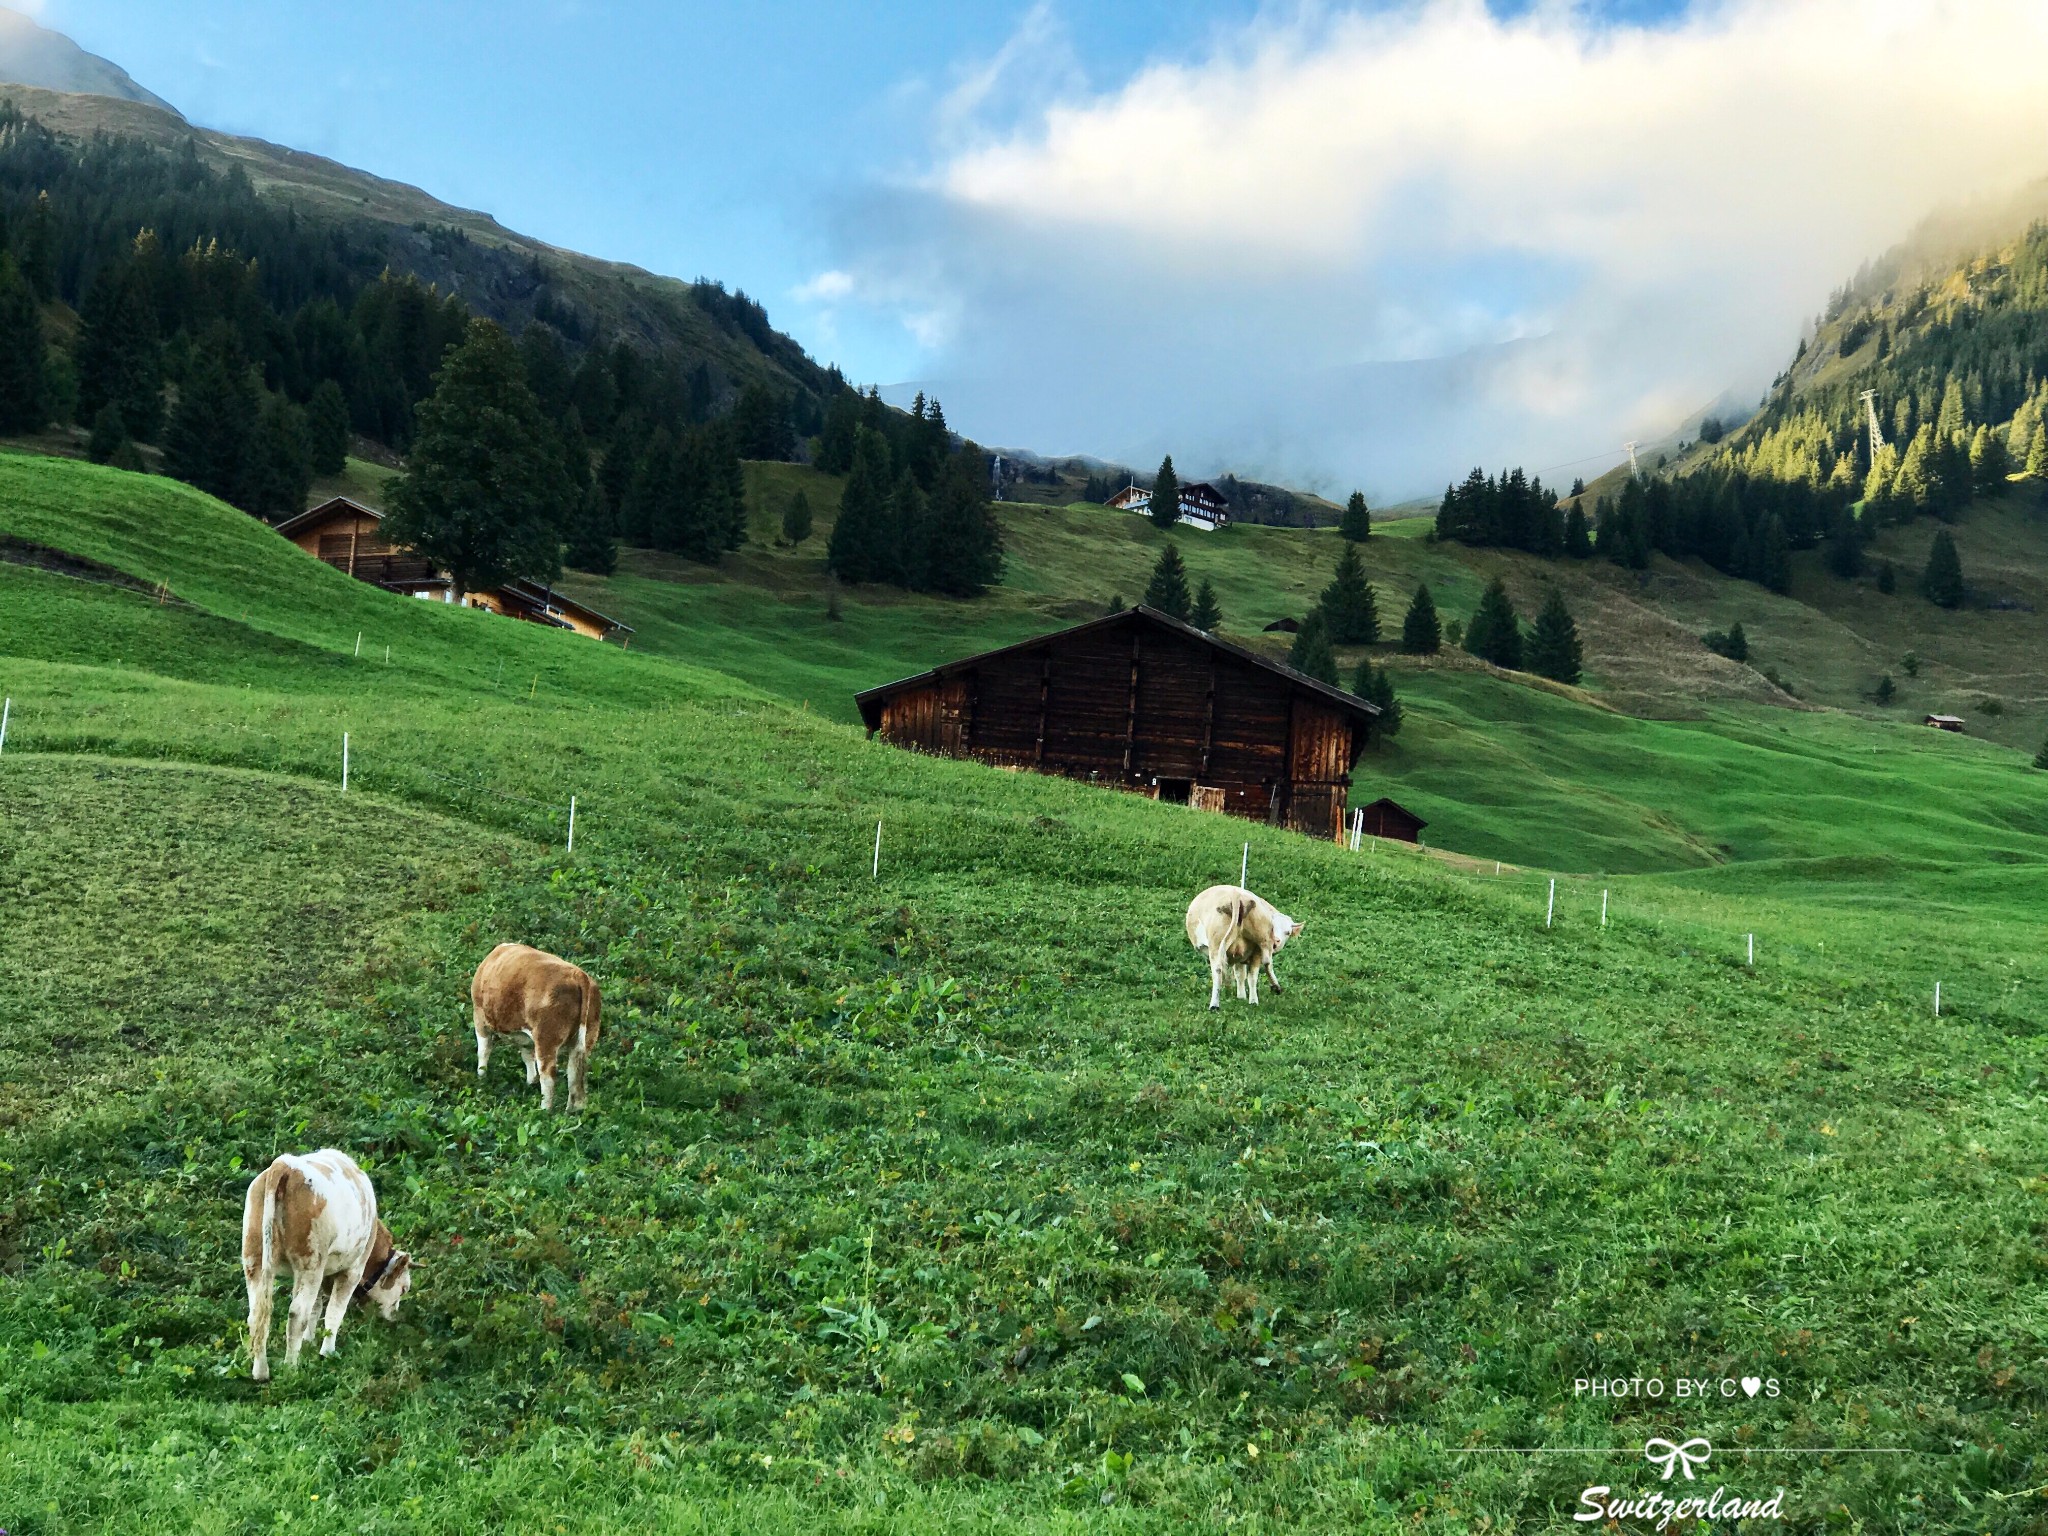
(937,1202)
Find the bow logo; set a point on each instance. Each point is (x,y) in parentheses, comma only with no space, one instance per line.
(1669,1458)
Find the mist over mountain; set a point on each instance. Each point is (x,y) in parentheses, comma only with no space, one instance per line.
(34,55)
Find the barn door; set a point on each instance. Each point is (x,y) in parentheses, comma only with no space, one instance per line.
(953,717)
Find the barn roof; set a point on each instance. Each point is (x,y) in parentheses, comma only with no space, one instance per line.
(870,702)
(1384,804)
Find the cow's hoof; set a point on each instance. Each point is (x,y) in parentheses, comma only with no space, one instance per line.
(261,1373)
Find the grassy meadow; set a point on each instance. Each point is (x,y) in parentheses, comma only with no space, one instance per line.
(937,1201)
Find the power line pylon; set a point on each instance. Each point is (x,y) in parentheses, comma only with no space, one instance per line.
(1876,431)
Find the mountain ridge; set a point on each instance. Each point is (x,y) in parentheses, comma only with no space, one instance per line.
(31,54)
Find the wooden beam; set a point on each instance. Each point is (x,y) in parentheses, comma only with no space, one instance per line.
(1044,691)
(1209,718)
(1131,712)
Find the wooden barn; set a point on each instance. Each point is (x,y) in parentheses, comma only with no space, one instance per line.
(350,537)
(1385,818)
(1142,702)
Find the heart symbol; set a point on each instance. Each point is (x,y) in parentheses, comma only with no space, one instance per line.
(1752,1385)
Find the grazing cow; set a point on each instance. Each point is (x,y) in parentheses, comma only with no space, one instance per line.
(1241,933)
(520,990)
(317,1214)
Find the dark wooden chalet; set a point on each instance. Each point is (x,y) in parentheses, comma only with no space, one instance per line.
(1145,703)
(1384,818)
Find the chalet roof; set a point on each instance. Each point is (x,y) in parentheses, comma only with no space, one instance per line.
(870,702)
(543,594)
(1384,804)
(1944,720)
(333,506)
(1202,490)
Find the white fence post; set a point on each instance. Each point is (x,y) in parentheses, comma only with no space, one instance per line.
(1244,869)
(6,709)
(359,644)
(877,874)
(1603,909)
(1551,911)
(1752,951)
(572,823)
(344,762)
(1937,999)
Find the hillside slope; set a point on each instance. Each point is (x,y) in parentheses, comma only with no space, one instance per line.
(933,1201)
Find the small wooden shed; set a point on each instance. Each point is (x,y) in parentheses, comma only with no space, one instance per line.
(1142,702)
(1945,722)
(1386,818)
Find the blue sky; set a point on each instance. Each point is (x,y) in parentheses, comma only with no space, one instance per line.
(712,139)
(1334,244)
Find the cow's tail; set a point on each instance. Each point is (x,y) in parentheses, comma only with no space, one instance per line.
(1237,911)
(259,1246)
(586,1023)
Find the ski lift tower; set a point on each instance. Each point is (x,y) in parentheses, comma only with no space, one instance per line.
(1634,469)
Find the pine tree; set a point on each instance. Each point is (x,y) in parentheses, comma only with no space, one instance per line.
(1207,614)
(1578,538)
(39,250)
(2041,757)
(2037,455)
(1168,589)
(1771,558)
(109,433)
(206,442)
(278,472)
(1942,582)
(327,429)
(796,519)
(855,551)
(1421,632)
(1376,686)
(1311,654)
(1495,633)
(1349,607)
(1887,690)
(484,494)
(908,542)
(589,545)
(965,554)
(1737,646)
(1554,650)
(23,407)
(1165,507)
(117,354)
(1845,545)
(1357,523)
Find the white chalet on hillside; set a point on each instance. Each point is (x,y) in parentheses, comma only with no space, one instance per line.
(1201,504)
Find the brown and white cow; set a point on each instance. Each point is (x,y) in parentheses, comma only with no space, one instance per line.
(316,1214)
(1240,933)
(520,990)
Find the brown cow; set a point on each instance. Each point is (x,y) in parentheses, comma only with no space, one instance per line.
(317,1214)
(520,990)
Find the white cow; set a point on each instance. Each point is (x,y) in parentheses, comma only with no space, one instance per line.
(317,1213)
(1241,933)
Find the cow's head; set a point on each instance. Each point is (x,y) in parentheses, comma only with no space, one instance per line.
(392,1285)
(1284,928)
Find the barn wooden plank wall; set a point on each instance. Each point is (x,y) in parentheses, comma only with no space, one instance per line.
(1144,705)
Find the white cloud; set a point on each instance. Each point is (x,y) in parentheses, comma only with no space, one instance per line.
(1379,246)
(827,287)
